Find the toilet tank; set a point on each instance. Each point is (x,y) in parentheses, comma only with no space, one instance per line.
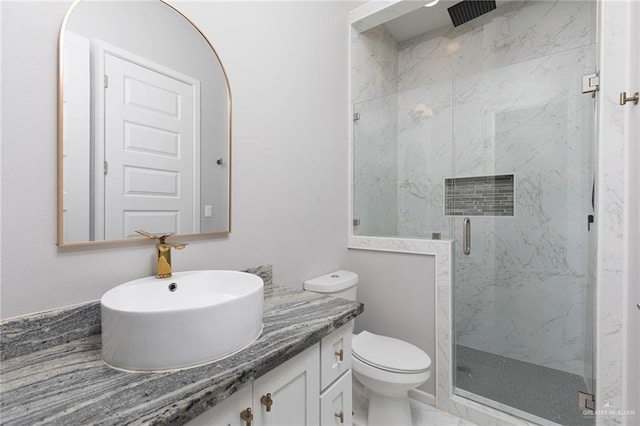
(341,284)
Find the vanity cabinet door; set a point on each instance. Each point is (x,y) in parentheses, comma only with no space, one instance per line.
(227,412)
(335,403)
(335,354)
(288,395)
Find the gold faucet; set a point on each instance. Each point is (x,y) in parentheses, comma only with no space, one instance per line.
(163,250)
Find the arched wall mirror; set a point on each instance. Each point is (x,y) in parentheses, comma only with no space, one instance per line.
(144,125)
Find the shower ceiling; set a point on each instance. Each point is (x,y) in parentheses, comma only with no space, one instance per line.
(424,19)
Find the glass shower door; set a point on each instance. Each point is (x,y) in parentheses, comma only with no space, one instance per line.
(523,143)
(402,154)
(375,166)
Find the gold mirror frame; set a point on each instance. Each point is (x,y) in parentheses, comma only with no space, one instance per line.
(60,140)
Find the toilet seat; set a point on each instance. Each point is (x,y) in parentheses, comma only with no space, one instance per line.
(389,354)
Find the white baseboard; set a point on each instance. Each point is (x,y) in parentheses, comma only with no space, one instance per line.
(423,397)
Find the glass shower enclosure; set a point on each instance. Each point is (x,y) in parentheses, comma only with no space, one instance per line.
(482,133)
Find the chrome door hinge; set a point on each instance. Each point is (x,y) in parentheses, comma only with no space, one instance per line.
(106,167)
(356,116)
(106,81)
(356,222)
(590,83)
(586,401)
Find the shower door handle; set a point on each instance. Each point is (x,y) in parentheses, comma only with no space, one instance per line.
(466,236)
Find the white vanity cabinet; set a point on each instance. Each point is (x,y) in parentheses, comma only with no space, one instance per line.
(288,394)
(335,372)
(335,402)
(313,388)
(227,412)
(335,354)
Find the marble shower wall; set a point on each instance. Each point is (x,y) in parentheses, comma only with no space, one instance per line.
(498,95)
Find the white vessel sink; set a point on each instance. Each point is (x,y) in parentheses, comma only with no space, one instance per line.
(188,319)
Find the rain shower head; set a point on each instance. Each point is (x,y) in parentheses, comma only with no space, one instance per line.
(467,10)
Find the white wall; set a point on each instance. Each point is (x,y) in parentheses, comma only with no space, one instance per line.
(287,64)
(616,331)
(632,222)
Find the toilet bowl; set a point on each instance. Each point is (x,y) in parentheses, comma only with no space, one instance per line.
(388,368)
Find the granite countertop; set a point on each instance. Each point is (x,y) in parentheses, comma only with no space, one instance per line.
(52,371)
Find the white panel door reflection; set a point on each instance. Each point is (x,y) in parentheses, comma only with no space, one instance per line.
(151,150)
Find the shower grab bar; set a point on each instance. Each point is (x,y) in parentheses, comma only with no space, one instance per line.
(466,236)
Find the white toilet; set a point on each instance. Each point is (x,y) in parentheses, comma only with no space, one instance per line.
(388,368)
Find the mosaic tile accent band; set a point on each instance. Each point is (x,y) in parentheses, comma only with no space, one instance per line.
(479,196)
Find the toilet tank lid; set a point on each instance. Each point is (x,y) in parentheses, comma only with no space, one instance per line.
(332,282)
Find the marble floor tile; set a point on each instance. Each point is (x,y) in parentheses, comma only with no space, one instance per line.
(421,415)
(426,415)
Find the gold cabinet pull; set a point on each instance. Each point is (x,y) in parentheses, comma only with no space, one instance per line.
(247,416)
(340,415)
(340,355)
(266,401)
(624,98)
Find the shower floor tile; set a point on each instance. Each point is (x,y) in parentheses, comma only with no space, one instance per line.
(541,391)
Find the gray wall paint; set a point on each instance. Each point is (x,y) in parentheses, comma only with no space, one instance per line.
(398,292)
(290,152)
